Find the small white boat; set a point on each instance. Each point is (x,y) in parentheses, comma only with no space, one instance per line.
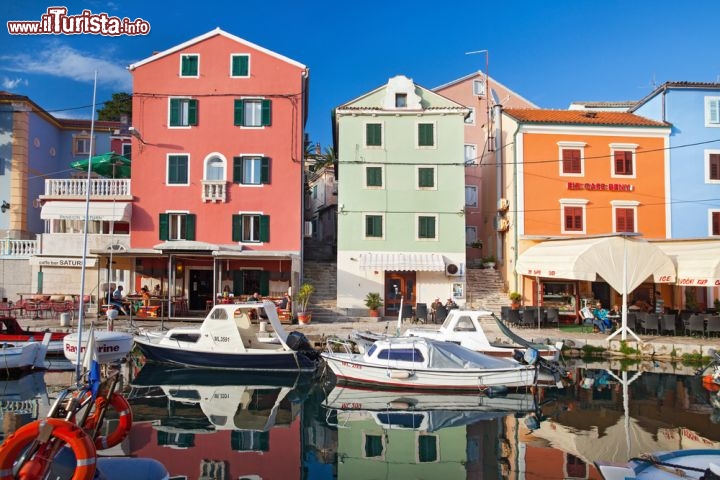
(418,363)
(11,332)
(697,463)
(110,346)
(230,338)
(27,356)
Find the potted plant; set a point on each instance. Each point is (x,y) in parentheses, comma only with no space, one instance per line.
(373,301)
(303,296)
(476,244)
(489,262)
(515,298)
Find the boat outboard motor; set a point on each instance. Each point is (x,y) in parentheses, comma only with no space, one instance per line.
(298,342)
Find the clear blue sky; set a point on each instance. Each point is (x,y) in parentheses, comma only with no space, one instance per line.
(550,52)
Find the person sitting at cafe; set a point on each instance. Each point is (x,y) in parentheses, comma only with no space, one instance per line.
(615,314)
(450,304)
(156,290)
(600,319)
(145,296)
(255,298)
(117,299)
(284,303)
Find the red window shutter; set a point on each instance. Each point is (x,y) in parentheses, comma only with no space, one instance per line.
(573,219)
(571,161)
(623,163)
(624,220)
(716,223)
(714,166)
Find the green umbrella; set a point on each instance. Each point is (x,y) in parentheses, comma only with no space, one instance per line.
(109,165)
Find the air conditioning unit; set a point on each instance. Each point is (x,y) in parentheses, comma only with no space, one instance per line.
(503,224)
(308,229)
(503,204)
(454,270)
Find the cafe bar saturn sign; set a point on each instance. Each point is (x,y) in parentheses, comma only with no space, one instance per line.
(608,187)
(67,262)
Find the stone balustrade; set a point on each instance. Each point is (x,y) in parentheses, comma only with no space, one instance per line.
(77,187)
(17,248)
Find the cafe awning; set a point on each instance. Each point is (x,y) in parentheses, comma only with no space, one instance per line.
(590,258)
(394,261)
(104,211)
(697,261)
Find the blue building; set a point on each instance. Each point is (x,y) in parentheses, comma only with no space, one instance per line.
(693,183)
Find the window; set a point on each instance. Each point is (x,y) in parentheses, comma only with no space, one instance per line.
(127,150)
(623,159)
(183,112)
(177,169)
(400,100)
(714,222)
(402,355)
(251,170)
(572,215)
(81,145)
(426,135)
(177,226)
(571,163)
(470,235)
(374,177)
(214,169)
(250,228)
(470,155)
(471,196)
(239,65)
(189,65)
(426,178)
(427,446)
(470,119)
(373,226)
(479,87)
(253,112)
(712,166)
(373,135)
(625,220)
(373,446)
(712,111)
(426,227)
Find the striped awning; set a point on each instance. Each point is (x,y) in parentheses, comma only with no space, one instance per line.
(103,211)
(393,261)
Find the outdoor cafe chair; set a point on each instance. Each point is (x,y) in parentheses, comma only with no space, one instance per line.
(421,312)
(529,317)
(696,323)
(667,323)
(631,321)
(652,322)
(552,316)
(504,313)
(513,317)
(440,314)
(713,325)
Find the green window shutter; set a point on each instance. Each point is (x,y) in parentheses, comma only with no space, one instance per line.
(164,226)
(239,110)
(189,65)
(237,228)
(266,112)
(373,226)
(264,283)
(240,66)
(264,228)
(192,112)
(425,135)
(237,169)
(190,226)
(426,177)
(373,134)
(426,227)
(373,176)
(174,112)
(265,170)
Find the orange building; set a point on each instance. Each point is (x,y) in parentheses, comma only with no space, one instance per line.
(578,173)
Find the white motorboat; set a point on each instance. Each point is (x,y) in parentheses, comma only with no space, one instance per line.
(418,363)
(27,356)
(110,346)
(230,338)
(693,463)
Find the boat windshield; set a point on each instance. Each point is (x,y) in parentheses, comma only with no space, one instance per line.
(401,354)
(218,314)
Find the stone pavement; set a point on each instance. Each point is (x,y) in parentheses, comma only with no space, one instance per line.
(655,346)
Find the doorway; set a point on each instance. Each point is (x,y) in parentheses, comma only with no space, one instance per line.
(399,285)
(201,289)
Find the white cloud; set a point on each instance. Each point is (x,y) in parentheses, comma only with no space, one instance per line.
(63,61)
(12,83)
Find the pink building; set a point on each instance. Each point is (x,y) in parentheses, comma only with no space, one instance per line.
(481,192)
(218,126)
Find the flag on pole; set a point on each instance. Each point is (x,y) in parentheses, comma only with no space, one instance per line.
(399,322)
(90,363)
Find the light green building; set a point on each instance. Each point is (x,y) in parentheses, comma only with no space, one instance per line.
(401,204)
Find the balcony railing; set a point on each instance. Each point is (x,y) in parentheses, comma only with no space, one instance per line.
(214,190)
(76,187)
(17,248)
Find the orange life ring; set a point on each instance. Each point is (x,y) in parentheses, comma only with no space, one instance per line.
(709,383)
(122,407)
(80,443)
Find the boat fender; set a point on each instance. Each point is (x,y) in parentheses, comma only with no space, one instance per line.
(400,374)
(531,356)
(121,406)
(36,466)
(496,391)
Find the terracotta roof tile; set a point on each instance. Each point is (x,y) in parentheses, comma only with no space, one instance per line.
(581,117)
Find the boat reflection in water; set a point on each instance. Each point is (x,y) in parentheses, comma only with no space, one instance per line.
(230,424)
